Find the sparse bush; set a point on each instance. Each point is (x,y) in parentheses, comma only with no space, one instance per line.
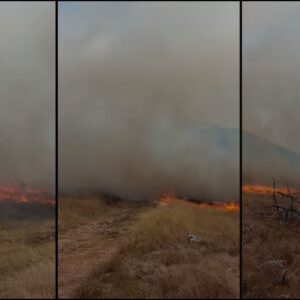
(271,238)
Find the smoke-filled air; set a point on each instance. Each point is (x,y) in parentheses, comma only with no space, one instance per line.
(271,93)
(27,149)
(149,99)
(27,93)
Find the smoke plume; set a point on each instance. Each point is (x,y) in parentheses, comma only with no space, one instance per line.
(271,103)
(271,68)
(148,99)
(27,92)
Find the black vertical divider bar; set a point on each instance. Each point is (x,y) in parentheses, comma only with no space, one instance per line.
(56,148)
(241,146)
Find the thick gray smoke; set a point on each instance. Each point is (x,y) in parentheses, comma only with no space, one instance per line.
(271,71)
(27,93)
(263,161)
(148,95)
(271,97)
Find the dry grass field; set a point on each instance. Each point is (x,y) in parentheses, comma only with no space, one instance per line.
(27,259)
(131,250)
(271,251)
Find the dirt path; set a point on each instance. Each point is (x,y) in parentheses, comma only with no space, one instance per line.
(84,247)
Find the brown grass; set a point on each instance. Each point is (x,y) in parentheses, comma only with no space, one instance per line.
(27,259)
(267,237)
(157,261)
(76,211)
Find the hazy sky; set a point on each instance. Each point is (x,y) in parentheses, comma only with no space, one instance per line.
(144,89)
(271,66)
(27,93)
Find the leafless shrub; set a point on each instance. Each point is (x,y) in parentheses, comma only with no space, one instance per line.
(290,209)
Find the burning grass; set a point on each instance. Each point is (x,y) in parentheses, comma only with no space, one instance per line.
(155,258)
(269,238)
(167,199)
(19,193)
(27,259)
(27,251)
(266,190)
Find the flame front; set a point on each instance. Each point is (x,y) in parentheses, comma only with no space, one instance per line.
(25,195)
(170,198)
(232,206)
(265,189)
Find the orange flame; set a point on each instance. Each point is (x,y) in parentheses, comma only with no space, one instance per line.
(169,198)
(25,195)
(265,189)
(232,206)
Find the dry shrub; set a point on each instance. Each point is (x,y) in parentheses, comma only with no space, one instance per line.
(265,239)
